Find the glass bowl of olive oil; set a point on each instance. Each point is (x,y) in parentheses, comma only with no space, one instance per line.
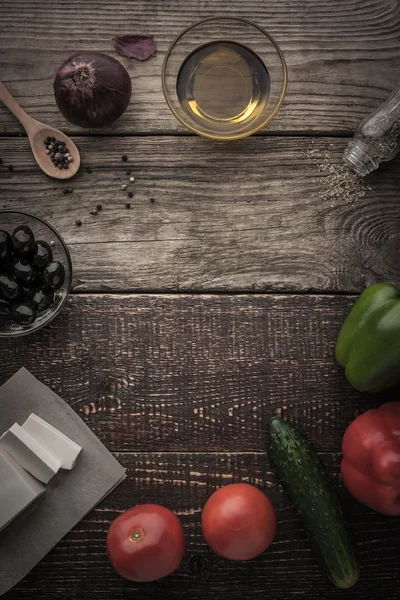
(224,78)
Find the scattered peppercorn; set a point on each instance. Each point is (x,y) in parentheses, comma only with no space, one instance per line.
(10,168)
(152,200)
(78,222)
(94,211)
(124,158)
(128,205)
(128,171)
(88,170)
(130,194)
(99,206)
(131,179)
(67,190)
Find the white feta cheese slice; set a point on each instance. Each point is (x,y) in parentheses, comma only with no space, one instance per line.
(18,489)
(29,453)
(55,442)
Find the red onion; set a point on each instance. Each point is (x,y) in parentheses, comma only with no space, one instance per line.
(92,89)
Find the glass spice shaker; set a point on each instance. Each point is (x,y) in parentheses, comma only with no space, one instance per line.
(376,139)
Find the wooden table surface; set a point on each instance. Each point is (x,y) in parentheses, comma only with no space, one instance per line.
(215,301)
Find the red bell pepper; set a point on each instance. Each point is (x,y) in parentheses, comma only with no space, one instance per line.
(371,458)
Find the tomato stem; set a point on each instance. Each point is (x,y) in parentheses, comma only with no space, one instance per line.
(137,534)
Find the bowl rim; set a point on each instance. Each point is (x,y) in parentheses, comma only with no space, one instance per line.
(210,135)
(69,275)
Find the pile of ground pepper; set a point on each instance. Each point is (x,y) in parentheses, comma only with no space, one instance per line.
(340,184)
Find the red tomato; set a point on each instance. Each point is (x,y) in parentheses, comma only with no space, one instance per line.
(146,543)
(238,522)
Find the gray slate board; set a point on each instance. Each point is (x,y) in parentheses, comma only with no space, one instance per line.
(70,495)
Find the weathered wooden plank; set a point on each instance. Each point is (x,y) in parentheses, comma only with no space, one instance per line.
(196,373)
(78,567)
(253,215)
(342,56)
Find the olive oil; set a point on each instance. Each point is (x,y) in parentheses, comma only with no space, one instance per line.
(223,86)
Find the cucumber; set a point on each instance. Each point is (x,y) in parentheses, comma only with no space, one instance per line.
(304,479)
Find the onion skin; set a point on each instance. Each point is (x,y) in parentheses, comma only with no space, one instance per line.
(92,89)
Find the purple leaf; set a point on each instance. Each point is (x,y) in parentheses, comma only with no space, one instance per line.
(140,47)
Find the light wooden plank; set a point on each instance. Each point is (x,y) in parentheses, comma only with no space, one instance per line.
(343,55)
(194,372)
(78,567)
(253,215)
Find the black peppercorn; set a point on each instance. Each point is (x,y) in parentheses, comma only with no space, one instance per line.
(130,195)
(128,205)
(10,168)
(99,206)
(152,200)
(124,158)
(78,222)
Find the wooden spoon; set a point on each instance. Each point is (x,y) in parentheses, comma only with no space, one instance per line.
(37,132)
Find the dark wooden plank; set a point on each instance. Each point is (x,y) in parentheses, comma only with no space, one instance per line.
(196,373)
(253,215)
(342,56)
(78,568)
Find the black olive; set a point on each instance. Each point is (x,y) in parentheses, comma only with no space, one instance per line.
(54,275)
(9,287)
(23,314)
(24,271)
(28,292)
(4,307)
(5,246)
(42,255)
(42,299)
(7,267)
(23,240)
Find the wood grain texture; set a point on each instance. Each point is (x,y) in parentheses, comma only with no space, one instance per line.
(245,216)
(196,373)
(78,568)
(342,55)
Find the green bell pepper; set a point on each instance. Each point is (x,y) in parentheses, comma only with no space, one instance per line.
(368,345)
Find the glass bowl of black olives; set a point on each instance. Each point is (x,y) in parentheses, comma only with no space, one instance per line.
(35,273)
